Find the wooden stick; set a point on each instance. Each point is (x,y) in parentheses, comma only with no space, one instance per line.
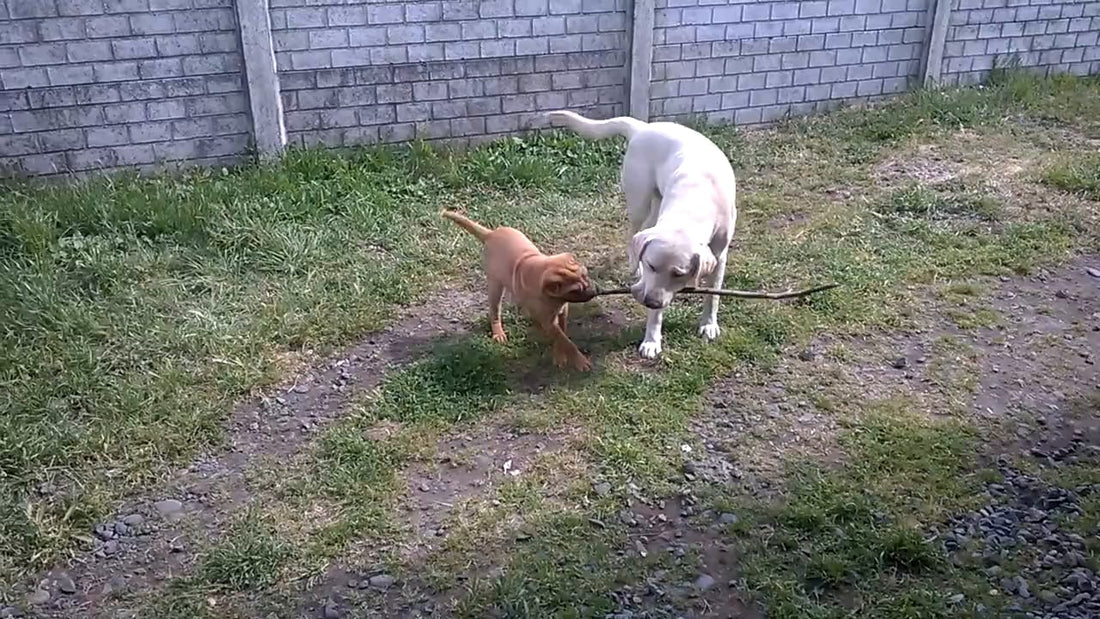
(741,294)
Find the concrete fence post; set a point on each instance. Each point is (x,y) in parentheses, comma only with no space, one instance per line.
(641,58)
(262,80)
(934,44)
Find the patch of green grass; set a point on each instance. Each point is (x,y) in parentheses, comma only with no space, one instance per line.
(1078,175)
(852,539)
(921,201)
(251,556)
(458,383)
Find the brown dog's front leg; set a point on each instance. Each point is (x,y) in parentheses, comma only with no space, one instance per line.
(565,352)
(496,296)
(563,319)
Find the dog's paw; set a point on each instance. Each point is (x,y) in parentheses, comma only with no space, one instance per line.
(710,331)
(501,337)
(582,364)
(650,350)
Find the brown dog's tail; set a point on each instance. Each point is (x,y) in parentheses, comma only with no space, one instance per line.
(470,225)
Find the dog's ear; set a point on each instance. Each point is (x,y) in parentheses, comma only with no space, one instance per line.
(703,262)
(637,247)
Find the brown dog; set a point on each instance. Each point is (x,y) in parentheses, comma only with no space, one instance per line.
(542,285)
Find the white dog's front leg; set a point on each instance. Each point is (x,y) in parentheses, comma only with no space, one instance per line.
(651,344)
(708,322)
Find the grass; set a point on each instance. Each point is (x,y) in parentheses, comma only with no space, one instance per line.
(136,311)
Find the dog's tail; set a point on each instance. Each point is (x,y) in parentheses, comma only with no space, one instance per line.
(470,225)
(597,129)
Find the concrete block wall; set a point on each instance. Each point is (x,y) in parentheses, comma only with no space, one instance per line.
(428,69)
(1051,35)
(755,61)
(88,84)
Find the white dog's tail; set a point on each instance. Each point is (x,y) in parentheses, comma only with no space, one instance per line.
(597,129)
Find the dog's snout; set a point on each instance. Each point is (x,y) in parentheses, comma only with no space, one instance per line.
(652,303)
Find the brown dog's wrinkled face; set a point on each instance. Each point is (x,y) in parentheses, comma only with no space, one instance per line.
(567,279)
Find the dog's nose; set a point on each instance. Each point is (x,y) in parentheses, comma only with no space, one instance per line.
(651,303)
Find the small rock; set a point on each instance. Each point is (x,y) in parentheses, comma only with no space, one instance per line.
(1048,597)
(956,599)
(65,583)
(133,520)
(704,582)
(807,355)
(331,610)
(424,487)
(301,388)
(123,530)
(104,531)
(110,548)
(900,363)
(1093,272)
(381,581)
(8,611)
(602,489)
(728,518)
(39,597)
(353,584)
(169,509)
(1022,588)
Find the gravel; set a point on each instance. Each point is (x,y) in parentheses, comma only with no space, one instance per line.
(1022,536)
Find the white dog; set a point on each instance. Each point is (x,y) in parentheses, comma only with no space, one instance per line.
(680,191)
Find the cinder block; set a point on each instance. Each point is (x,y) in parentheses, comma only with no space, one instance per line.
(747,116)
(327,38)
(777,79)
(176,45)
(841,7)
(755,12)
(383,13)
(483,106)
(763,97)
(844,90)
(811,42)
(397,35)
(721,15)
(793,94)
(735,100)
(124,113)
(865,7)
(62,139)
(548,26)
(767,29)
(531,8)
(106,136)
(64,96)
(838,40)
(350,15)
(803,77)
(495,8)
(403,132)
(42,54)
(61,29)
(134,155)
(96,93)
(35,77)
(818,92)
(390,55)
(378,115)
(706,103)
(69,74)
